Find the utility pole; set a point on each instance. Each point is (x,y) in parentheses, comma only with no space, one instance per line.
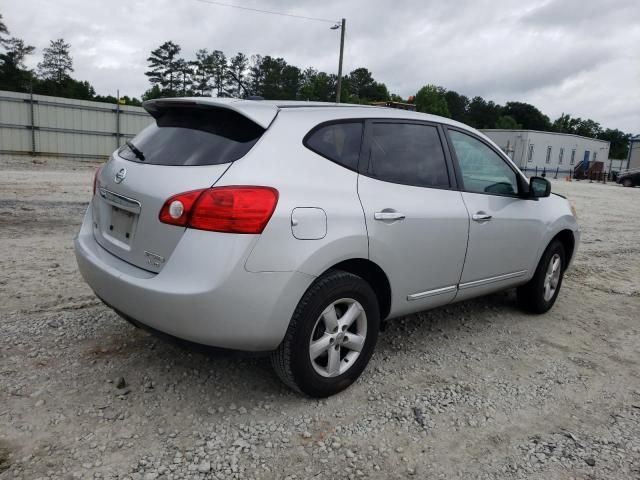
(339,87)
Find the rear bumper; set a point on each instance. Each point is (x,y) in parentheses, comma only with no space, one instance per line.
(201,296)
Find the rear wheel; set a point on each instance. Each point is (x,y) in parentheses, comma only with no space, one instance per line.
(627,182)
(331,337)
(540,293)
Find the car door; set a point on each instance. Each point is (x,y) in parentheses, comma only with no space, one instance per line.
(416,221)
(506,229)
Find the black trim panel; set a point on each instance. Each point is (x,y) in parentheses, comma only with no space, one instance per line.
(328,123)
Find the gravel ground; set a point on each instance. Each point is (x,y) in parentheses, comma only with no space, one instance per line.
(473,390)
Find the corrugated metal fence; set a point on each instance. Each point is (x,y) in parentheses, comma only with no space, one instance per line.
(53,126)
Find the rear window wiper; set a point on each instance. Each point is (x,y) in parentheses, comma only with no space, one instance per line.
(137,152)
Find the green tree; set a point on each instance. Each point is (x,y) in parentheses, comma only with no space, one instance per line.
(272,78)
(457,105)
(202,73)
(68,88)
(184,79)
(3,31)
(483,114)
(430,99)
(153,92)
(565,123)
(528,116)
(18,51)
(588,128)
(619,142)
(163,68)
(362,87)
(238,69)
(56,64)
(14,75)
(507,122)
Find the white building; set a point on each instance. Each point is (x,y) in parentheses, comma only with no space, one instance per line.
(561,152)
(633,159)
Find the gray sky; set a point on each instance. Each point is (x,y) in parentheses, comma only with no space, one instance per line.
(574,56)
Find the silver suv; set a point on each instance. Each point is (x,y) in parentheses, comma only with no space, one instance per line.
(297,227)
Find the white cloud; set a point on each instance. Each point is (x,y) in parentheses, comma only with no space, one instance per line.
(561,55)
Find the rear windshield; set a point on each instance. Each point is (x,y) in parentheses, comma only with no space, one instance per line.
(194,136)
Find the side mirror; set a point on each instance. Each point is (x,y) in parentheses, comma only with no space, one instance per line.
(539,187)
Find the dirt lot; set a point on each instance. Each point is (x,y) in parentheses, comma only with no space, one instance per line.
(474,390)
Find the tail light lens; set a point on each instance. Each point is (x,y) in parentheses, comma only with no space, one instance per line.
(233,209)
(95,178)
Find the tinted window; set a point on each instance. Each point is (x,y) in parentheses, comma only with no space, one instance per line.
(195,136)
(339,142)
(483,171)
(407,153)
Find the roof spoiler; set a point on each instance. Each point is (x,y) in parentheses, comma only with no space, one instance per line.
(258,112)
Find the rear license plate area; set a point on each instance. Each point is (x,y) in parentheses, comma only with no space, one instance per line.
(120,225)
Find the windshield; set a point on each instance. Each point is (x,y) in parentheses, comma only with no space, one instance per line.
(193,136)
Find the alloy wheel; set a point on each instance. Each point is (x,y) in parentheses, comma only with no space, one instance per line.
(552,277)
(338,337)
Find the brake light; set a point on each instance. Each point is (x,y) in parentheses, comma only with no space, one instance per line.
(95,178)
(232,209)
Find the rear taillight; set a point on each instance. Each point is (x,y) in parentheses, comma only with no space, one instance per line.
(233,209)
(95,178)
(177,210)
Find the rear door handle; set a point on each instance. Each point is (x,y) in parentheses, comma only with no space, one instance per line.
(481,217)
(388,216)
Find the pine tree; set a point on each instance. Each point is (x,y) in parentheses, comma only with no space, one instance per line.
(17,51)
(202,72)
(3,31)
(163,68)
(238,68)
(56,62)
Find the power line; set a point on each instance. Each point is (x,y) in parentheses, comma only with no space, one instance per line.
(213,2)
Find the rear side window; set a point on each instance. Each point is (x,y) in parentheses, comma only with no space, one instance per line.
(339,142)
(194,136)
(407,153)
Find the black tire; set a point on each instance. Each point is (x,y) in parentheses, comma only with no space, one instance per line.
(531,295)
(627,182)
(292,361)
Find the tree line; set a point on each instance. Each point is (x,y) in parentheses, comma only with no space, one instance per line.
(480,113)
(213,73)
(52,75)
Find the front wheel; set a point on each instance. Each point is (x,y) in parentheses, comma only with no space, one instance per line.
(540,293)
(627,182)
(331,337)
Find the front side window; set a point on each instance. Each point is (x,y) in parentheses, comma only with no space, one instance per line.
(407,153)
(483,170)
(339,142)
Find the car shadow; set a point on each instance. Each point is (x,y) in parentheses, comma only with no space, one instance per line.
(244,377)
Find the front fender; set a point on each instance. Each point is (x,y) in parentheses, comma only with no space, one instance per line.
(564,222)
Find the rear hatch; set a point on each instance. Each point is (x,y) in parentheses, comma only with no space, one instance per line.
(189,147)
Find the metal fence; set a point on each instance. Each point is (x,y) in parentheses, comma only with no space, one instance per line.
(62,127)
